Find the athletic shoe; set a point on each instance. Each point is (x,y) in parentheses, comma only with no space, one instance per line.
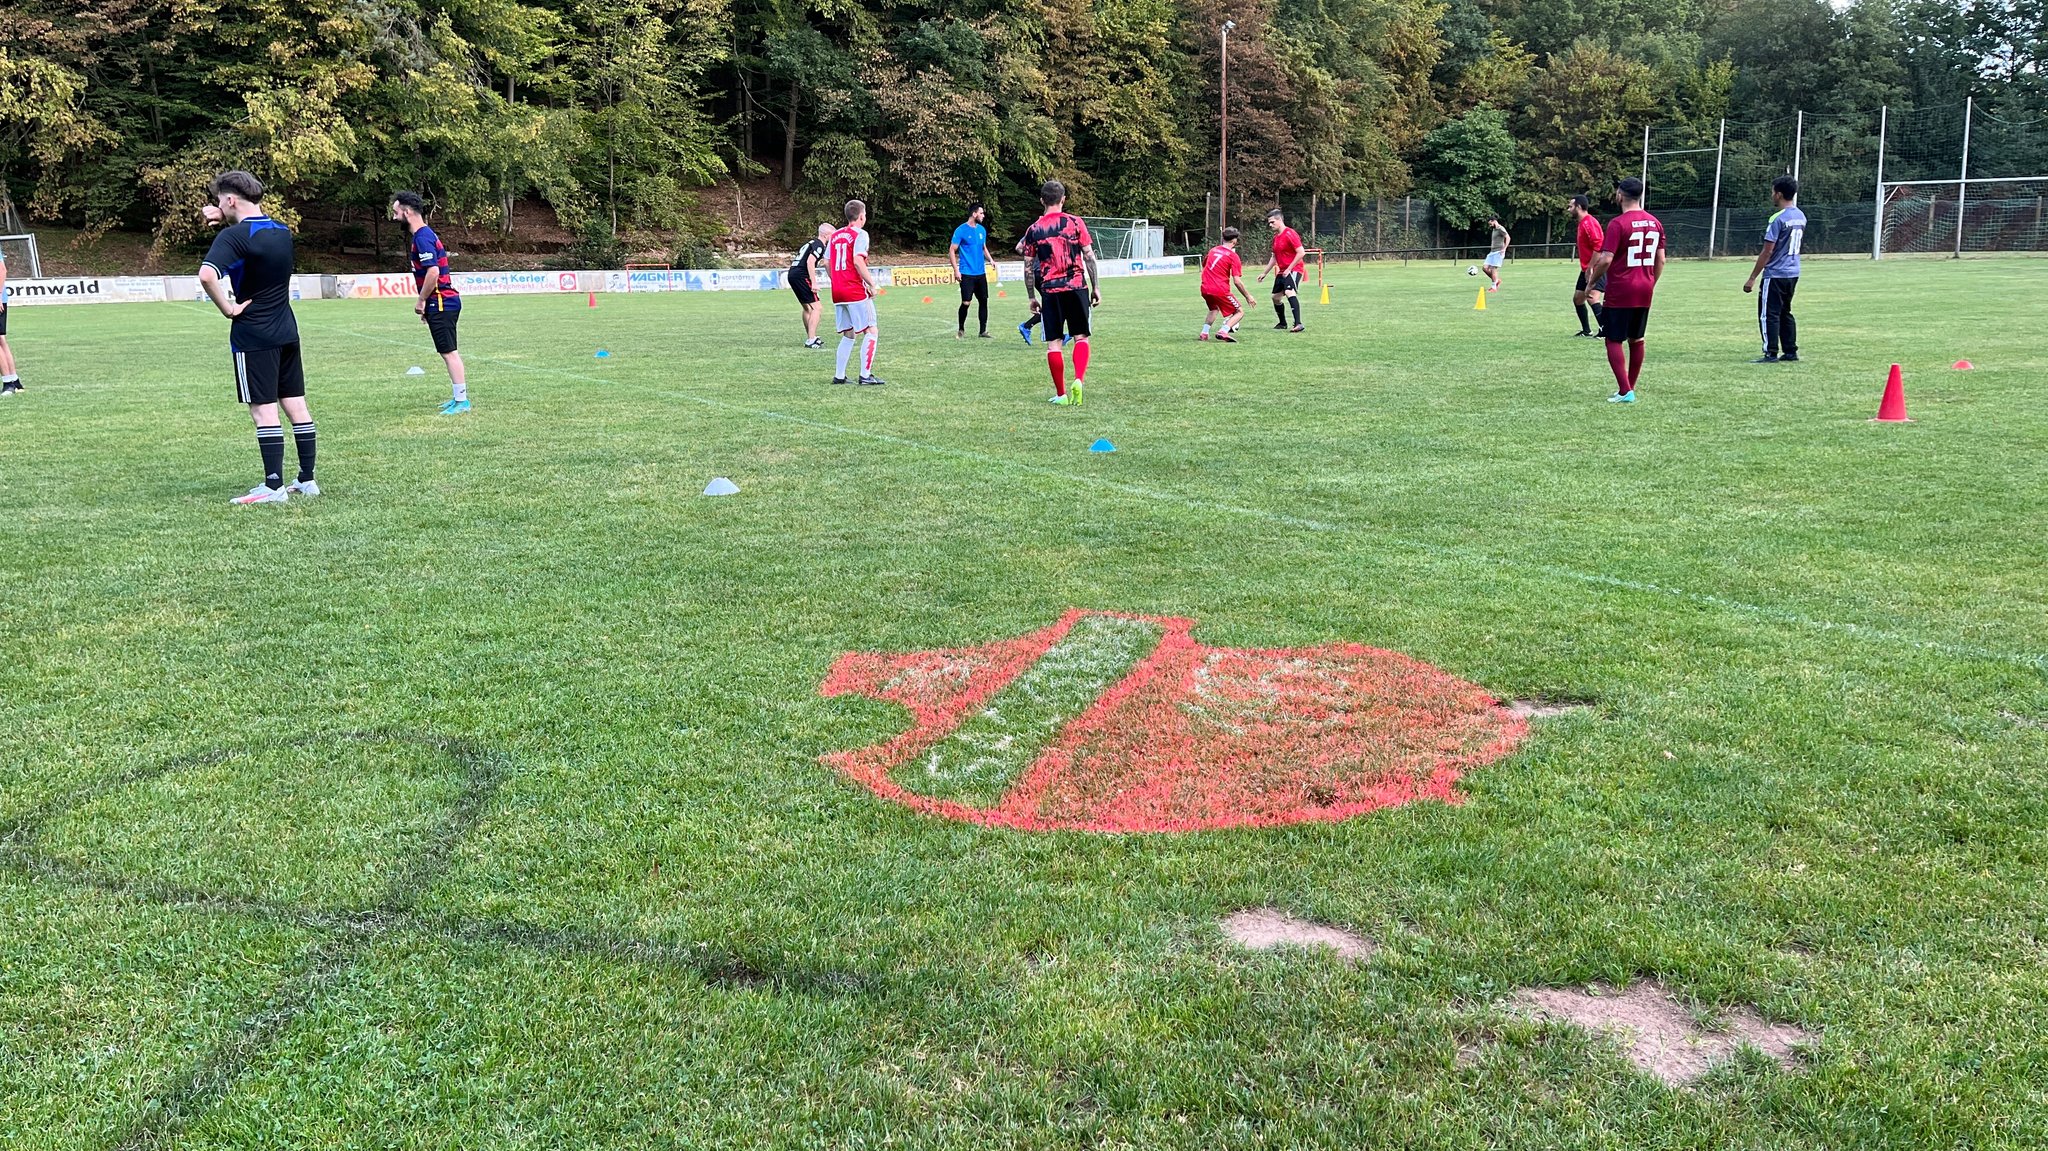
(454,407)
(959,335)
(985,336)
(1585,335)
(1281,326)
(1074,390)
(814,343)
(1204,337)
(9,388)
(1493,287)
(1226,337)
(1298,329)
(261,494)
(1622,398)
(302,488)
(1063,401)
(841,380)
(1024,330)
(1788,358)
(1766,360)
(871,381)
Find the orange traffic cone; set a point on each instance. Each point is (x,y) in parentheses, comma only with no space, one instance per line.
(927,299)
(1892,409)
(1964,365)
(593,299)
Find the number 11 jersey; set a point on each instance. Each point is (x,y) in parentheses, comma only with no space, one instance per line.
(1634,237)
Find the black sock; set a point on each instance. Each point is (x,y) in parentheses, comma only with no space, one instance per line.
(1295,303)
(962,325)
(1280,310)
(270,441)
(1599,313)
(981,316)
(302,436)
(1583,328)
(1033,321)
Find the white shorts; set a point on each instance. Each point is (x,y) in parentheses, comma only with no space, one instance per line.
(1493,259)
(854,317)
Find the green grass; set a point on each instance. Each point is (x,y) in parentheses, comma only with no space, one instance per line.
(478,802)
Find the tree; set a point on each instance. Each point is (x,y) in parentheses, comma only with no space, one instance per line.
(1468,167)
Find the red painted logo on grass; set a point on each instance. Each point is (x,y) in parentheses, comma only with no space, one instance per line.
(1117,723)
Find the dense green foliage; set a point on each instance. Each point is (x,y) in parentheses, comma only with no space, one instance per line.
(611,111)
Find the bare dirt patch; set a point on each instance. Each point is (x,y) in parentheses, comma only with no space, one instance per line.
(1266,928)
(1659,1034)
(1545,708)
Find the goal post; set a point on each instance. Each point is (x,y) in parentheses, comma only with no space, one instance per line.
(24,258)
(1951,217)
(1125,237)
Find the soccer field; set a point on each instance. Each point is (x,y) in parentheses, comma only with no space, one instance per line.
(492,799)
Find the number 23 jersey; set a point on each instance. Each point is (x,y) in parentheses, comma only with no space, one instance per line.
(1634,237)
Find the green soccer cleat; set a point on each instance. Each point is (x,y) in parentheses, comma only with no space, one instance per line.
(1063,401)
(1074,390)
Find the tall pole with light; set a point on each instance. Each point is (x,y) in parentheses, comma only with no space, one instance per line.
(1223,160)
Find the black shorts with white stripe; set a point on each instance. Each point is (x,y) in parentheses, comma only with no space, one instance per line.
(267,375)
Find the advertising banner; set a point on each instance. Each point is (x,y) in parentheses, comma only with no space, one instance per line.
(87,290)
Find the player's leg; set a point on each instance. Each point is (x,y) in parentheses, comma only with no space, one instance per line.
(1766,323)
(981,304)
(1280,301)
(291,397)
(1078,330)
(1636,347)
(256,386)
(966,298)
(1617,352)
(842,317)
(1788,328)
(442,324)
(1579,304)
(10,383)
(811,311)
(870,336)
(1053,309)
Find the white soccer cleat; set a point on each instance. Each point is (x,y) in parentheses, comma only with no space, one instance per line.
(303,488)
(261,494)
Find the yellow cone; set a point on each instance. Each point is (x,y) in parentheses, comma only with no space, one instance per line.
(1326,293)
(1481,305)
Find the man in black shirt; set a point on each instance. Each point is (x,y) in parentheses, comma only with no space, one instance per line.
(253,255)
(803,271)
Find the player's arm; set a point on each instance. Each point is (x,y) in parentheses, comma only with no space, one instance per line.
(1763,258)
(860,267)
(3,285)
(953,258)
(1237,280)
(1657,265)
(429,284)
(1602,260)
(1030,278)
(1272,261)
(1094,274)
(223,252)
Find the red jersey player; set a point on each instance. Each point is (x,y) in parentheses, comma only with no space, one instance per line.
(1060,255)
(853,292)
(1631,259)
(1222,270)
(1287,257)
(1590,235)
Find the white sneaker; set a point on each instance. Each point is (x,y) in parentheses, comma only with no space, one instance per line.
(303,488)
(261,494)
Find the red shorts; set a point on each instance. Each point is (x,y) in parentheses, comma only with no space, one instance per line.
(1225,303)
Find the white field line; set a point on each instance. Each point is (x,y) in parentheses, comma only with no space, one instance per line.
(2033,661)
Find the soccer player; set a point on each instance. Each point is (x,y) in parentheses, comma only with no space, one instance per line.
(1061,254)
(10,383)
(1222,269)
(1630,261)
(1498,237)
(1287,258)
(853,293)
(253,254)
(438,303)
(803,280)
(969,257)
(1589,292)
(1778,264)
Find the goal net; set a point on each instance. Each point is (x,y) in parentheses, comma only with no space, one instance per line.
(1955,216)
(24,259)
(1124,238)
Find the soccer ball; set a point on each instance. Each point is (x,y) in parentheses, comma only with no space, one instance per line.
(1471,270)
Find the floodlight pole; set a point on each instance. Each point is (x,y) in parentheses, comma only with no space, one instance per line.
(1223,157)
(1877,216)
(1963,182)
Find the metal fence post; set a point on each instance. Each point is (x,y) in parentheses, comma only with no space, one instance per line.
(1963,182)
(1646,165)
(1798,141)
(1877,208)
(1714,215)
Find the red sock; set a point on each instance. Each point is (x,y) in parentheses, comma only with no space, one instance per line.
(1081,361)
(1058,364)
(1635,364)
(1617,359)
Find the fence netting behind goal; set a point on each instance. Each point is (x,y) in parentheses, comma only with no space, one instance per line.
(1992,215)
(1124,238)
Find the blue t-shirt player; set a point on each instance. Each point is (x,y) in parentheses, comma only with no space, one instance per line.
(969,254)
(1777,269)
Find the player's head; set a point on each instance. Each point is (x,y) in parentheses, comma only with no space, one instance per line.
(976,213)
(1230,236)
(408,207)
(238,194)
(1582,205)
(1052,194)
(1276,219)
(1629,191)
(1493,221)
(1784,190)
(856,213)
(825,232)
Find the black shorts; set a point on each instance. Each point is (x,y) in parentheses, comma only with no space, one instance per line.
(267,375)
(806,292)
(1599,285)
(1624,325)
(1066,315)
(974,287)
(442,325)
(1284,282)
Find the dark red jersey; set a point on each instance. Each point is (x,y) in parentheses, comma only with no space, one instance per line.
(1634,238)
